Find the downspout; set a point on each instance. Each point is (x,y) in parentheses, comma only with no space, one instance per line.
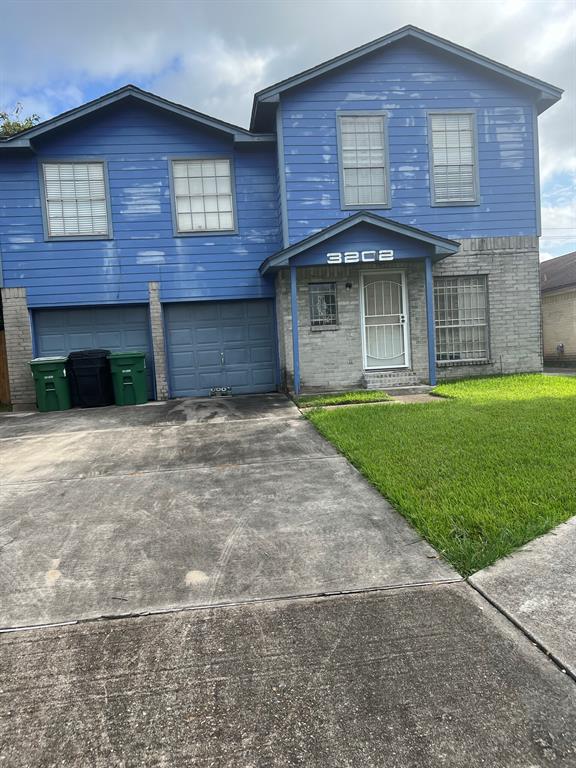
(294,311)
(430,322)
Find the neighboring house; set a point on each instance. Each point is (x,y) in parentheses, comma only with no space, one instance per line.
(558,288)
(378,224)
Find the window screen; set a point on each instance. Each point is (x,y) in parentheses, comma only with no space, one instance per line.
(453,158)
(363,160)
(75,195)
(461,313)
(203,195)
(323,304)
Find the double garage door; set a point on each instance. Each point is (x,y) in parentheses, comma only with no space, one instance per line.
(221,344)
(209,344)
(61,331)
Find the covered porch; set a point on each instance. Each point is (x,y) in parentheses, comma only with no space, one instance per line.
(355,306)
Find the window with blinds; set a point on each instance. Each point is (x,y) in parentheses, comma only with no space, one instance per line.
(461,314)
(363,160)
(453,158)
(75,195)
(203,195)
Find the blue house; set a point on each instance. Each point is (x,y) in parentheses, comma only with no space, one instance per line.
(377,226)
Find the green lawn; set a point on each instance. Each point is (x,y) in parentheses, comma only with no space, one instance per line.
(478,475)
(342,398)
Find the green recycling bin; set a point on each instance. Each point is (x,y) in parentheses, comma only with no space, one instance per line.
(129,377)
(52,390)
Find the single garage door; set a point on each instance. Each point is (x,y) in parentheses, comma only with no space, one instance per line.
(221,344)
(61,331)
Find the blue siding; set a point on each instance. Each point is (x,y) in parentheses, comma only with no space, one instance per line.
(138,142)
(406,80)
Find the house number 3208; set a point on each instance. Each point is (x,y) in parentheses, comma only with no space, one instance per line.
(354,257)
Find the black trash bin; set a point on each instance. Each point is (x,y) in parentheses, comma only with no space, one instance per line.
(90,379)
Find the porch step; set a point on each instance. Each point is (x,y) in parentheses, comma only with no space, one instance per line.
(420,389)
(388,379)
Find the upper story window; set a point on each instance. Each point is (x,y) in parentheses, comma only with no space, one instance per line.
(453,171)
(75,199)
(363,160)
(203,195)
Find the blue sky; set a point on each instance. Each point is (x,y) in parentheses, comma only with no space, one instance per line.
(214,54)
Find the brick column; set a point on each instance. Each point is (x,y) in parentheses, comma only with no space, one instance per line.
(18,346)
(158,342)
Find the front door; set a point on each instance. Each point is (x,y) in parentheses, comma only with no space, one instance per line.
(385,326)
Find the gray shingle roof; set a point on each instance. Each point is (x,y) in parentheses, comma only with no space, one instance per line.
(558,273)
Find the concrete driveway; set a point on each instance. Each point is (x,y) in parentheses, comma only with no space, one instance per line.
(221,506)
(121,511)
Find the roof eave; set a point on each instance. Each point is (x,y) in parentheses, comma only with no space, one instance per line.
(238,134)
(551,92)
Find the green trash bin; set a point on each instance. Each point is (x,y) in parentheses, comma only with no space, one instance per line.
(52,390)
(129,377)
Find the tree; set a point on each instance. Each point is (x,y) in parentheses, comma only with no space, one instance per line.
(12,122)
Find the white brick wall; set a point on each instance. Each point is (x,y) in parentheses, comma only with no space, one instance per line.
(332,359)
(158,341)
(18,346)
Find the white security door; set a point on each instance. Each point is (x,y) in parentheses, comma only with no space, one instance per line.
(384,320)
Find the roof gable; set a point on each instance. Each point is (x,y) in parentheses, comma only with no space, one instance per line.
(440,246)
(545,93)
(127,92)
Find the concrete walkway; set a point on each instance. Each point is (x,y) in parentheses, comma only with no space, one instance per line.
(536,587)
(122,511)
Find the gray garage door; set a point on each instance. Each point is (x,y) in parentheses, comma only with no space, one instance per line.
(60,331)
(221,344)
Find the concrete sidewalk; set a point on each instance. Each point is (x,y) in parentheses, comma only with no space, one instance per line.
(428,677)
(536,587)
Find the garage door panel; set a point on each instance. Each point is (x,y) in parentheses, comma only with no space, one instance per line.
(243,331)
(208,358)
(232,334)
(262,355)
(233,311)
(208,336)
(237,356)
(264,378)
(119,329)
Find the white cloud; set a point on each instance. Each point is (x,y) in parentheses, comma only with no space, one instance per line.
(213,54)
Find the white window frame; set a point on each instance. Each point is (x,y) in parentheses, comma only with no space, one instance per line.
(318,325)
(44,199)
(386,203)
(201,232)
(441,359)
(475,171)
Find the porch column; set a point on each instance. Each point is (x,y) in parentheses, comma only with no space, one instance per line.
(430,327)
(295,344)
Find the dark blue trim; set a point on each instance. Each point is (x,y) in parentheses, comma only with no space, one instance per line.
(154,392)
(443,246)
(430,326)
(295,341)
(276,339)
(282,178)
(546,92)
